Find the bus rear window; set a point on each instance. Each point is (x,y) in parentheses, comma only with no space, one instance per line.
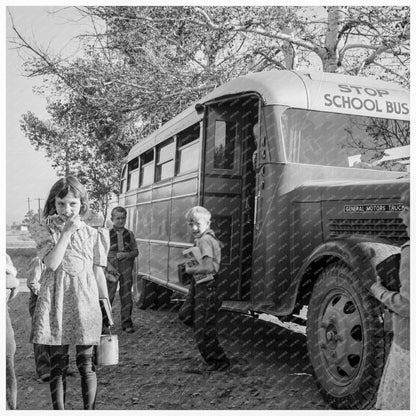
(330,139)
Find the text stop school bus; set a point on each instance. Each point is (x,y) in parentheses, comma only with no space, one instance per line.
(302,173)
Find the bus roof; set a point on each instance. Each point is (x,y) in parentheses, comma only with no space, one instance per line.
(183,120)
(321,91)
(318,91)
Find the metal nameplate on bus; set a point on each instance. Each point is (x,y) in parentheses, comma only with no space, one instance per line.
(373,208)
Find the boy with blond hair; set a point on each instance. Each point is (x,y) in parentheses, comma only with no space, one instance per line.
(203,302)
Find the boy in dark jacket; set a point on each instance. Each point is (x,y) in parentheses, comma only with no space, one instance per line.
(123,251)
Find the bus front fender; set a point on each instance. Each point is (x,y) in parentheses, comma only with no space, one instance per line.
(364,257)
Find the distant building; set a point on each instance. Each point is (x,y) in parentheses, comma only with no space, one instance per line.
(19,227)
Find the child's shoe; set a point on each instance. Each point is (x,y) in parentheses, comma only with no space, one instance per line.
(44,378)
(129,329)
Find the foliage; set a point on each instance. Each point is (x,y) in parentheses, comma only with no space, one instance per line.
(75,152)
(30,216)
(140,66)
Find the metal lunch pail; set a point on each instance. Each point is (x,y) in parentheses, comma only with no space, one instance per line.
(107,350)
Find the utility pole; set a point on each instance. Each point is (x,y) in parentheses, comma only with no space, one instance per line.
(28,204)
(39,199)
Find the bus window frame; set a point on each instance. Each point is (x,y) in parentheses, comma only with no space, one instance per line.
(158,166)
(123,179)
(129,185)
(275,150)
(196,142)
(237,153)
(282,140)
(143,166)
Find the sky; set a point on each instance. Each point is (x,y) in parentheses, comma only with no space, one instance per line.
(29,175)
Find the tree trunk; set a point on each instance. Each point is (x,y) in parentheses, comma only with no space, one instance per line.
(330,59)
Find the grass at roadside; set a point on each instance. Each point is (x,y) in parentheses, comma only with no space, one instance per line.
(21,258)
(21,248)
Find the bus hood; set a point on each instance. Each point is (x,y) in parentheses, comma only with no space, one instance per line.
(365,189)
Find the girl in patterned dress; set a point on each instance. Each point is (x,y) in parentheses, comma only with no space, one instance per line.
(68,310)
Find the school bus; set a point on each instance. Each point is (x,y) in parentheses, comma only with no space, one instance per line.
(302,172)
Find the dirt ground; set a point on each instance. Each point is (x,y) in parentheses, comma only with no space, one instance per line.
(270,368)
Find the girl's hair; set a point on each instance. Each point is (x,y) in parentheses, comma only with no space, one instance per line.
(197,213)
(61,189)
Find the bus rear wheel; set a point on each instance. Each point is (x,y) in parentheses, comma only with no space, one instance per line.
(150,295)
(145,293)
(345,338)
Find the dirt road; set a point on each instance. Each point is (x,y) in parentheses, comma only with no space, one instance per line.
(270,367)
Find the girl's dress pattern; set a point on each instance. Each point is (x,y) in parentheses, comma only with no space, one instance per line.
(68,310)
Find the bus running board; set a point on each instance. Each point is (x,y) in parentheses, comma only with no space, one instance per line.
(236,306)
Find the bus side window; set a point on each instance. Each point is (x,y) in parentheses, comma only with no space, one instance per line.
(165,154)
(123,180)
(146,167)
(133,173)
(188,149)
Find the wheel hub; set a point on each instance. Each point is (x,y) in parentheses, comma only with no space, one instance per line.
(341,347)
(331,336)
(333,346)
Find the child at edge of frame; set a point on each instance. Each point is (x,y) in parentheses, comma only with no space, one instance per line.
(204,299)
(121,257)
(12,288)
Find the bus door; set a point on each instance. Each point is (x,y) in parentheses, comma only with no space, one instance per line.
(228,187)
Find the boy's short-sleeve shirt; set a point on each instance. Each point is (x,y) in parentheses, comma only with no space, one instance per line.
(209,247)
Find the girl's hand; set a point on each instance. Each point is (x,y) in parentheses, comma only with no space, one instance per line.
(72,224)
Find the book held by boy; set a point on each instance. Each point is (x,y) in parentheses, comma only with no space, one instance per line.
(202,278)
(193,258)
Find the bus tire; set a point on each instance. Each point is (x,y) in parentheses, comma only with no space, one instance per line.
(346,340)
(146,293)
(164,297)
